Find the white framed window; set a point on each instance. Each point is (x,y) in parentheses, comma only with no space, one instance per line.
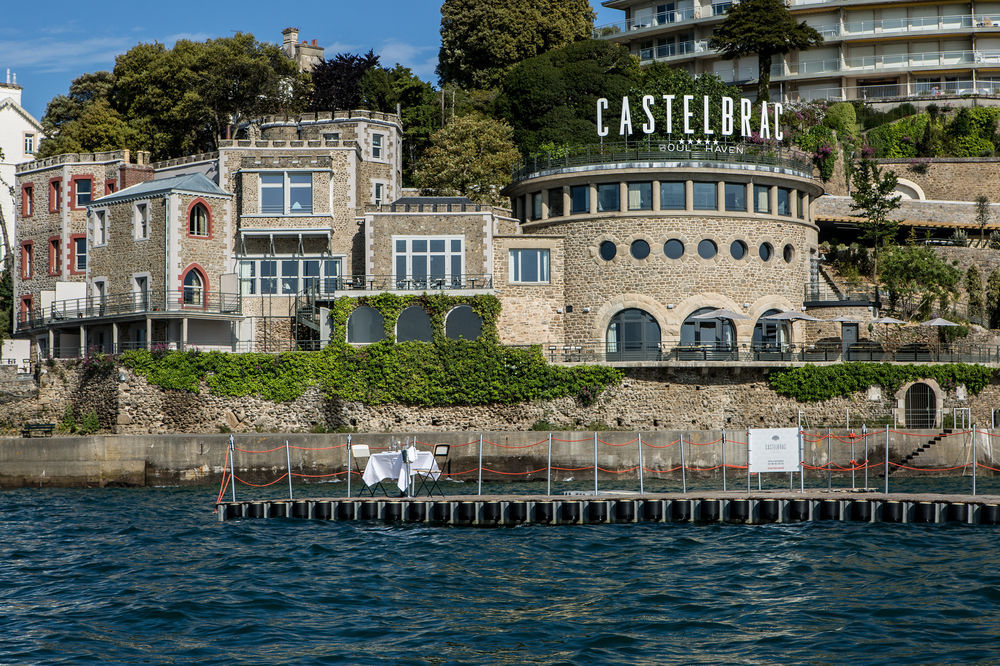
(377,146)
(421,262)
(140,291)
(29,143)
(276,276)
(286,193)
(140,220)
(380,190)
(84,188)
(79,253)
(100,291)
(100,228)
(529,266)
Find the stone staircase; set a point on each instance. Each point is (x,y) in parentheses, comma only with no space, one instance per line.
(916,453)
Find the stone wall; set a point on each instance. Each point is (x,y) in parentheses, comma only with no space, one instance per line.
(647,399)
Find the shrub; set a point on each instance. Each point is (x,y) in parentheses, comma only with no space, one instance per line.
(815,383)
(897,139)
(68,423)
(90,423)
(841,118)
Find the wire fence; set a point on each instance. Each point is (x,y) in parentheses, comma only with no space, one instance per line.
(876,460)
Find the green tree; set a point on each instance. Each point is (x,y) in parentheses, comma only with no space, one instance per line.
(337,81)
(481,40)
(983,215)
(98,127)
(916,278)
(873,196)
(993,298)
(552,98)
(659,78)
(977,298)
(6,300)
(472,156)
(764,28)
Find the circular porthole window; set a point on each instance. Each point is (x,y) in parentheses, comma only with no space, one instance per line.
(788,253)
(738,249)
(766,251)
(640,249)
(608,250)
(673,248)
(707,249)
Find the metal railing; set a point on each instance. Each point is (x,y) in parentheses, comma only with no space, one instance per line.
(824,293)
(655,150)
(346,284)
(826,352)
(648,23)
(116,305)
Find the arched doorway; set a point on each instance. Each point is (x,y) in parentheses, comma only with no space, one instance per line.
(632,335)
(770,337)
(707,339)
(921,406)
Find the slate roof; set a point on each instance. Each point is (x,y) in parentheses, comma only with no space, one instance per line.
(196,183)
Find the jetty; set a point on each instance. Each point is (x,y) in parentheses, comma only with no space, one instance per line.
(739,507)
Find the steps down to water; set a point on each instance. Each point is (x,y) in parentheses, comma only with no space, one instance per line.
(913,455)
(495,511)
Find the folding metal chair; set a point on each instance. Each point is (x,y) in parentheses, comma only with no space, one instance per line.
(441,452)
(359,452)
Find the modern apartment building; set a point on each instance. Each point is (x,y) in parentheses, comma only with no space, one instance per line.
(880,51)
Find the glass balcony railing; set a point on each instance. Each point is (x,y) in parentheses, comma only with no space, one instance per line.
(655,21)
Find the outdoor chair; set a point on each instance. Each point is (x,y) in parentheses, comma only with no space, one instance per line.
(361,452)
(441,452)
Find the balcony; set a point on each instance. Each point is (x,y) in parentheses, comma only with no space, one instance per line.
(767,355)
(128,305)
(624,155)
(610,30)
(825,295)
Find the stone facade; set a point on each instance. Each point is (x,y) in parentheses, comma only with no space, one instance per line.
(647,399)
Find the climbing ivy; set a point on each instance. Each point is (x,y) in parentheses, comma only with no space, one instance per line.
(436,305)
(813,383)
(439,373)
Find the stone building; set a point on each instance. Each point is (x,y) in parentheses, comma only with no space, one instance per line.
(20,134)
(305,54)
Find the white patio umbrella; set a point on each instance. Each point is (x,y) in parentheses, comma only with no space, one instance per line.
(847,320)
(938,321)
(721,313)
(888,320)
(791,315)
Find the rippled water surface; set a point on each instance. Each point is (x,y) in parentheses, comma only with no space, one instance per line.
(150,576)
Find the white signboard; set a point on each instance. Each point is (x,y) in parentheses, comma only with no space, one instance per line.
(774,450)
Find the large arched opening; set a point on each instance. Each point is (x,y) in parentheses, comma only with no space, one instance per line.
(632,335)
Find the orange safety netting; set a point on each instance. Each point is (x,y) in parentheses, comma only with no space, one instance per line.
(714,441)
(585,439)
(265,485)
(942,435)
(661,471)
(316,448)
(930,469)
(277,448)
(454,446)
(319,476)
(662,446)
(619,471)
(507,446)
(486,469)
(631,441)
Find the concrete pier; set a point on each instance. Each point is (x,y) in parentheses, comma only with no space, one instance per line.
(707,507)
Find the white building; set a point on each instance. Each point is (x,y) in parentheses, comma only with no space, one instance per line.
(20,135)
(878,51)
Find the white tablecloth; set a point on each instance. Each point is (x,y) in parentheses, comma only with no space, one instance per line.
(389,465)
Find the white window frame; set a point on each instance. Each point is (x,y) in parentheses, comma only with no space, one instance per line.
(378,145)
(409,254)
(544,267)
(286,192)
(99,290)
(76,192)
(29,143)
(101,230)
(137,293)
(380,190)
(137,220)
(77,255)
(249,269)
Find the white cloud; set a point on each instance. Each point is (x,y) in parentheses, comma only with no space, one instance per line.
(421,59)
(62,55)
(340,47)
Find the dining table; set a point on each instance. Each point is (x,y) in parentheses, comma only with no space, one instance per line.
(401,467)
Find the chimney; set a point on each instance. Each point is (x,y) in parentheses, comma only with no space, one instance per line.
(15,78)
(8,76)
(314,42)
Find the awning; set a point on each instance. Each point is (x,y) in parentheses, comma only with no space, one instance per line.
(271,234)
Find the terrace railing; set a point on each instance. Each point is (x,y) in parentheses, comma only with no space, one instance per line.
(130,303)
(656,150)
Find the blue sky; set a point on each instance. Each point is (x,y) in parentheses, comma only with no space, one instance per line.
(48,45)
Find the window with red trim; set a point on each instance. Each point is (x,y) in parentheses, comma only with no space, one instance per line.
(26,305)
(194,288)
(27,257)
(199,220)
(110,187)
(81,191)
(55,255)
(55,194)
(78,253)
(27,200)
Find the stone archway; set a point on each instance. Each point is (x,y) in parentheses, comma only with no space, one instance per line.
(918,404)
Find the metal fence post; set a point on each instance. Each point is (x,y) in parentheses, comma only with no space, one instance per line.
(802,462)
(684,483)
(975,449)
(480,492)
(348,467)
(748,459)
(723,460)
(886,458)
(548,470)
(642,489)
(288,462)
(829,459)
(854,462)
(595,462)
(864,433)
(232,464)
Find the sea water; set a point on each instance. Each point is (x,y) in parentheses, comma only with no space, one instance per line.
(149,575)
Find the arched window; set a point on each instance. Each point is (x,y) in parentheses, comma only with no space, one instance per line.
(632,335)
(708,336)
(194,287)
(770,335)
(463,323)
(414,324)
(365,325)
(198,220)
